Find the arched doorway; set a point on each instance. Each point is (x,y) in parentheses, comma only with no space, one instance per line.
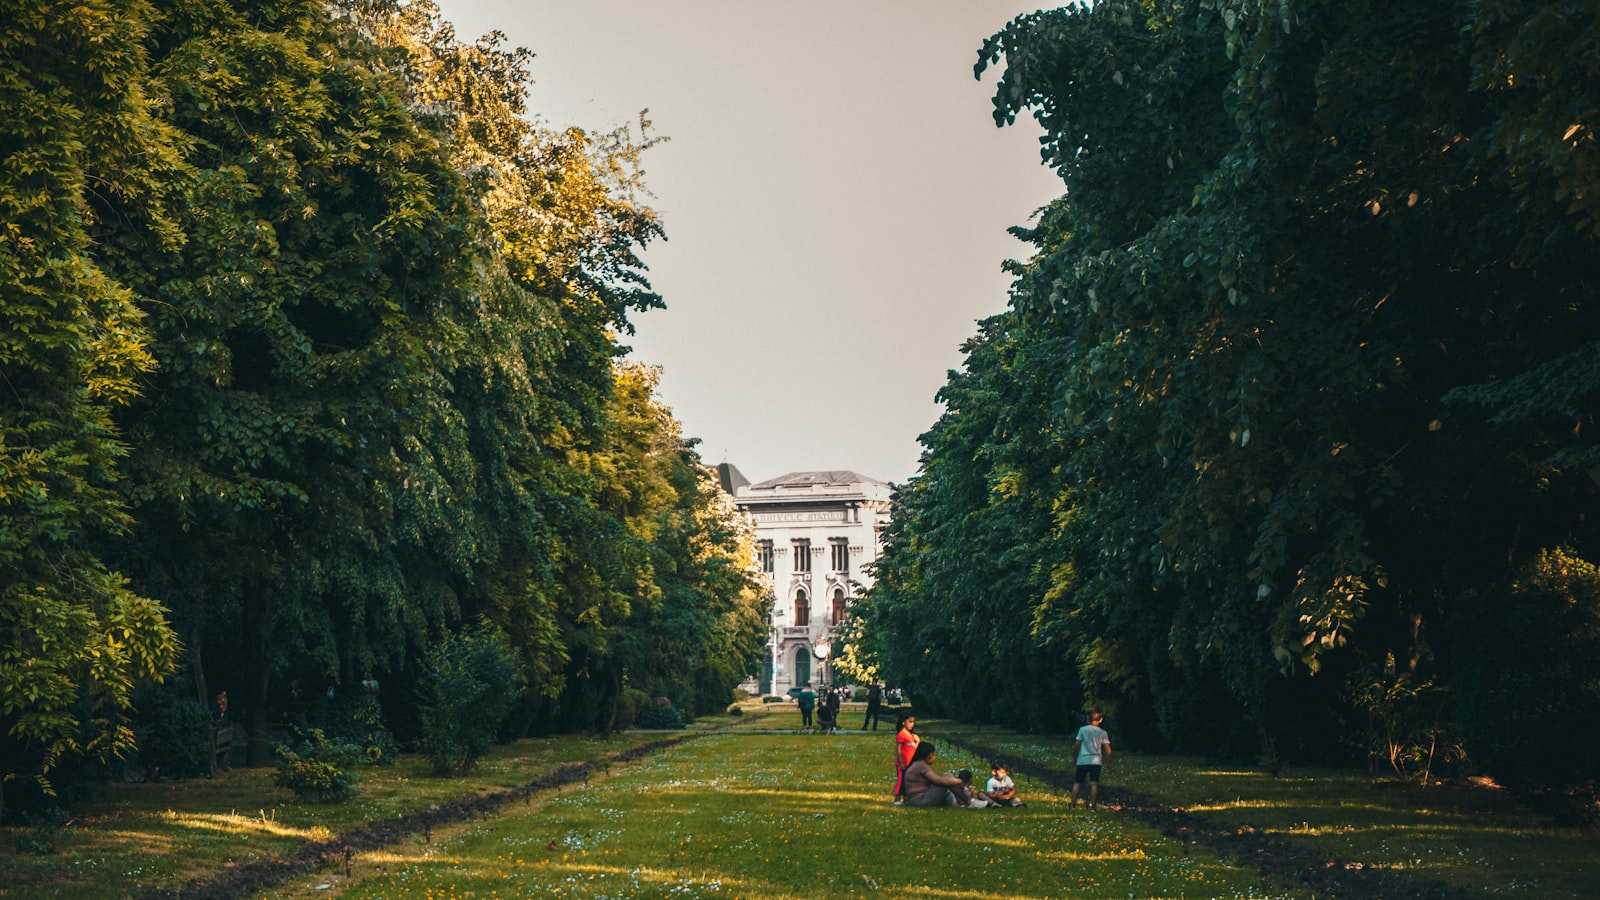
(802,666)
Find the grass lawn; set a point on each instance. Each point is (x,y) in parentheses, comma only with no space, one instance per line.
(140,837)
(1477,839)
(758,812)
(769,815)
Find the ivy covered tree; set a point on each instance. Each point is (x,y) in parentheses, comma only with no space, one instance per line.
(1312,326)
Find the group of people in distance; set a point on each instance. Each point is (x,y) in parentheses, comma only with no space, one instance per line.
(917,783)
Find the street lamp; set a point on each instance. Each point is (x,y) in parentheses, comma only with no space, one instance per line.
(821,651)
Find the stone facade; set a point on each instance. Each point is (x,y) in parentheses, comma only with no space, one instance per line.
(818,533)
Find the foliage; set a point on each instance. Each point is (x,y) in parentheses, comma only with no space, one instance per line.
(1302,364)
(356,717)
(173,731)
(469,686)
(659,716)
(78,147)
(317,768)
(1534,675)
(1410,723)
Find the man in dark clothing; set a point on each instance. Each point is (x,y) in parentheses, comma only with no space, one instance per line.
(874,704)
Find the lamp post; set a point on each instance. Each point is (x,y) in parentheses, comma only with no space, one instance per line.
(821,650)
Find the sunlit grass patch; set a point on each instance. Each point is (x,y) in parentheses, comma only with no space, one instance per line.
(760,815)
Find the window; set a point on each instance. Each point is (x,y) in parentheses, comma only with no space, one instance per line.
(841,554)
(802,608)
(802,555)
(764,554)
(838,605)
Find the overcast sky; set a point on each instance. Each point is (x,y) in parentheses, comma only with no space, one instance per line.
(835,195)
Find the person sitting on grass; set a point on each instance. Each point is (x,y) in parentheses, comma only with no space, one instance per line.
(1001,790)
(966,796)
(924,786)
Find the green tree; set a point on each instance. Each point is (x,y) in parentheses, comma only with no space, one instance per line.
(1315,329)
(77,147)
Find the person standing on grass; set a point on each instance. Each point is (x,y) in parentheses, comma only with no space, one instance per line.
(807,701)
(874,705)
(1093,751)
(905,746)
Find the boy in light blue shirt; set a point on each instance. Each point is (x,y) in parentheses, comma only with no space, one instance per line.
(1093,751)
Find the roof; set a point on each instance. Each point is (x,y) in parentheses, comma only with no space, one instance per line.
(834,477)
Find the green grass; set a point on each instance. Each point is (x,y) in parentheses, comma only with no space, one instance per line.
(139,837)
(769,816)
(1478,839)
(759,812)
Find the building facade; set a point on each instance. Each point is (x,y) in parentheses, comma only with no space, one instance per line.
(818,533)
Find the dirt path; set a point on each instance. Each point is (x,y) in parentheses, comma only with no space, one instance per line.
(1282,861)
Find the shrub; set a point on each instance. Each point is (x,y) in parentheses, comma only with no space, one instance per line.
(1532,649)
(628,706)
(357,718)
(173,730)
(659,717)
(468,687)
(318,769)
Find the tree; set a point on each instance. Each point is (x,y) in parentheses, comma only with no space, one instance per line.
(1315,328)
(77,147)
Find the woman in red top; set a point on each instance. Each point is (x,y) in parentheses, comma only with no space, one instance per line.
(905,744)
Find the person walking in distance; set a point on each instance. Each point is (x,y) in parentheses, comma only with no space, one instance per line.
(874,705)
(1092,748)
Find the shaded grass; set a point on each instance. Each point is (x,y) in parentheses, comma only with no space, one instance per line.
(768,815)
(1478,839)
(137,838)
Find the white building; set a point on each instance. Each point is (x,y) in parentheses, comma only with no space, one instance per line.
(818,532)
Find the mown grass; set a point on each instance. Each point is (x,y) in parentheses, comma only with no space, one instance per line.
(1479,839)
(763,815)
(136,838)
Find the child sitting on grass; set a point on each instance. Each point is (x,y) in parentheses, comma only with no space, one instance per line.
(966,796)
(1001,790)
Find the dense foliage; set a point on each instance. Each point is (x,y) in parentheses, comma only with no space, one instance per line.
(309,346)
(1297,386)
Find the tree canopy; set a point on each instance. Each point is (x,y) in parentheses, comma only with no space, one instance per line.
(310,355)
(1300,371)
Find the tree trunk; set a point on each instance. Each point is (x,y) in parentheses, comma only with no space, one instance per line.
(256,630)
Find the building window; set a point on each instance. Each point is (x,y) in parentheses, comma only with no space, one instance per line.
(802,556)
(764,554)
(841,554)
(802,608)
(838,605)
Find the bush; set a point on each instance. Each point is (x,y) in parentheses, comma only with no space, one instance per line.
(1532,679)
(355,717)
(173,730)
(467,689)
(628,706)
(659,717)
(318,769)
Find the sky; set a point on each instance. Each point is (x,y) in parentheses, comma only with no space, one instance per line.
(836,199)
